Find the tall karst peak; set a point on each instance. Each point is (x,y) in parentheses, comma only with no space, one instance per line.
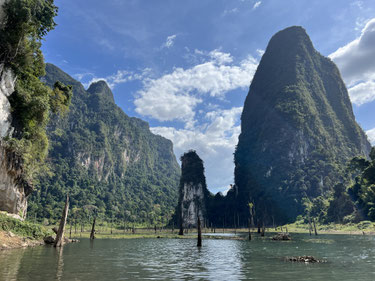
(100,87)
(297,129)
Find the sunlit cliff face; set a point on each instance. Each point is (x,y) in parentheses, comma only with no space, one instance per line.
(7,81)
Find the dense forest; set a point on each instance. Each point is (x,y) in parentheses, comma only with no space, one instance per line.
(106,161)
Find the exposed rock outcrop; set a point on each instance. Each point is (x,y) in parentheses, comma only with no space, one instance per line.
(305,259)
(282,237)
(193,192)
(7,83)
(14,190)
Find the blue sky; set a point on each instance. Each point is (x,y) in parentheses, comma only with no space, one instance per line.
(186,66)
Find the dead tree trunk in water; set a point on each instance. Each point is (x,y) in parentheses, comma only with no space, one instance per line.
(234,221)
(70,232)
(199,244)
(316,232)
(60,233)
(181,229)
(92,234)
(263,230)
(310,226)
(249,230)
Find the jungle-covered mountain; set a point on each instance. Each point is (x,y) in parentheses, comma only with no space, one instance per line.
(298,132)
(106,159)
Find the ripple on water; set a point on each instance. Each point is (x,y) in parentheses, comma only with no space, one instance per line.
(349,258)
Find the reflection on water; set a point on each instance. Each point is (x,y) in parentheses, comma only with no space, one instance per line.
(60,263)
(349,258)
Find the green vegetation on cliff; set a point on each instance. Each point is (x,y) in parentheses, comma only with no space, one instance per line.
(363,190)
(106,159)
(25,24)
(22,228)
(298,132)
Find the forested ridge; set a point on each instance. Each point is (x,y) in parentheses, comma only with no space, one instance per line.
(105,160)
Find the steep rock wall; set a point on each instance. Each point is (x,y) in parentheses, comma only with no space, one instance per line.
(13,189)
(298,130)
(7,81)
(193,192)
(191,204)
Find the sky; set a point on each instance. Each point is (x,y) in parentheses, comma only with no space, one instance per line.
(186,66)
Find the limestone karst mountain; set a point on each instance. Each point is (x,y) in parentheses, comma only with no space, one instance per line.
(193,192)
(105,158)
(297,130)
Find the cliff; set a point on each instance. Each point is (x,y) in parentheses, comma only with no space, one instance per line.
(105,158)
(298,130)
(14,190)
(193,192)
(14,187)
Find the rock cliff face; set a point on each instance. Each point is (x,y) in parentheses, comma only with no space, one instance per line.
(13,189)
(297,129)
(193,192)
(7,81)
(105,158)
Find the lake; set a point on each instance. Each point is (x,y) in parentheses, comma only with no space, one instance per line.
(348,258)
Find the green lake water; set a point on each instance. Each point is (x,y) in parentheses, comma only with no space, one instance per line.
(348,258)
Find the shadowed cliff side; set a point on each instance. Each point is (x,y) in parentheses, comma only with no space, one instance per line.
(298,130)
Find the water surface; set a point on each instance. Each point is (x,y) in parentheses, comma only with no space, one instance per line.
(349,258)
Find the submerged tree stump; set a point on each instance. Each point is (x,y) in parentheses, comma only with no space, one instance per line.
(282,236)
(316,232)
(305,259)
(92,234)
(59,241)
(199,243)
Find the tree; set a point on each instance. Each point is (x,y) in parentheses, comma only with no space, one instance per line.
(363,190)
(25,24)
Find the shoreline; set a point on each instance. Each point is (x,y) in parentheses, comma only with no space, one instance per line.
(20,234)
(10,241)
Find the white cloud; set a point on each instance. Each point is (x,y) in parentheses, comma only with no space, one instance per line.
(165,105)
(214,140)
(174,96)
(260,52)
(230,11)
(121,76)
(362,93)
(257,4)
(356,61)
(170,41)
(371,136)
(220,57)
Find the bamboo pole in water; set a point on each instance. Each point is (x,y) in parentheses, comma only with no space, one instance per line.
(60,233)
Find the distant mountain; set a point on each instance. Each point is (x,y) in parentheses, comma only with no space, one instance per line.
(105,158)
(298,130)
